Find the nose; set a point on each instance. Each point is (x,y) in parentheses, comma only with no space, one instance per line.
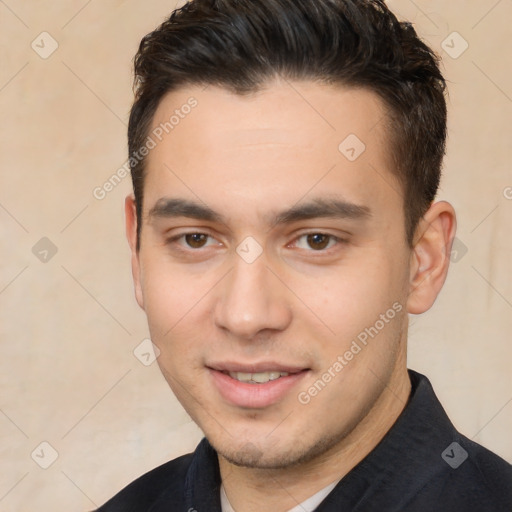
(252,301)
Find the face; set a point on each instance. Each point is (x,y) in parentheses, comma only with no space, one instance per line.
(273,265)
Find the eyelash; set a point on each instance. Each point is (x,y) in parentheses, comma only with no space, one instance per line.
(338,241)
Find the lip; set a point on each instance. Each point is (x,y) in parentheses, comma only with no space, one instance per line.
(263,366)
(254,396)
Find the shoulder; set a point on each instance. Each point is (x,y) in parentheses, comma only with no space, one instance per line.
(454,473)
(470,478)
(164,483)
(489,475)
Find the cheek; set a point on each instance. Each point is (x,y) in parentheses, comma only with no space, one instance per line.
(173,299)
(352,297)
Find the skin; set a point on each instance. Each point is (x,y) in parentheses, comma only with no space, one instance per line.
(304,300)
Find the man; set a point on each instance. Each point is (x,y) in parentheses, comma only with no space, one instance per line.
(285,158)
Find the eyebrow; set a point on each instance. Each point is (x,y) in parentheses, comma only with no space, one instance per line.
(316,208)
(322,208)
(168,208)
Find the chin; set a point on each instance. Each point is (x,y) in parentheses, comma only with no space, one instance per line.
(275,455)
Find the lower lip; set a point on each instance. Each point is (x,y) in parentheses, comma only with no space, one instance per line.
(254,396)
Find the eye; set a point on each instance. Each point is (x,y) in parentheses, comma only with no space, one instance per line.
(193,240)
(316,241)
(196,240)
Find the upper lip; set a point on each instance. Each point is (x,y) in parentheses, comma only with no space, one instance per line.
(260,367)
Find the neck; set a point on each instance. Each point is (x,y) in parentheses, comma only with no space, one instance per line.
(253,489)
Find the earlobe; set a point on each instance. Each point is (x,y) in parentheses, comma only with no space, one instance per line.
(131,235)
(430,257)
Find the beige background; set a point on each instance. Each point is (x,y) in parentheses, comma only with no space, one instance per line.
(69,326)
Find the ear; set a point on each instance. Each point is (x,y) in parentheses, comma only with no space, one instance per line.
(131,234)
(430,257)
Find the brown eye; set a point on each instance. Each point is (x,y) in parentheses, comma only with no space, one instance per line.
(318,241)
(196,240)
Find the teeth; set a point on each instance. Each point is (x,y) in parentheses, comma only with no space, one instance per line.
(257,378)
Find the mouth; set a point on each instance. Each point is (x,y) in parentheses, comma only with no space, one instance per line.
(255,386)
(256,378)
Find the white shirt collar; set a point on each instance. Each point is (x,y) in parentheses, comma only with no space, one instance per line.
(306,506)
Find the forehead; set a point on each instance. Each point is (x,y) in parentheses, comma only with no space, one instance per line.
(275,113)
(275,144)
